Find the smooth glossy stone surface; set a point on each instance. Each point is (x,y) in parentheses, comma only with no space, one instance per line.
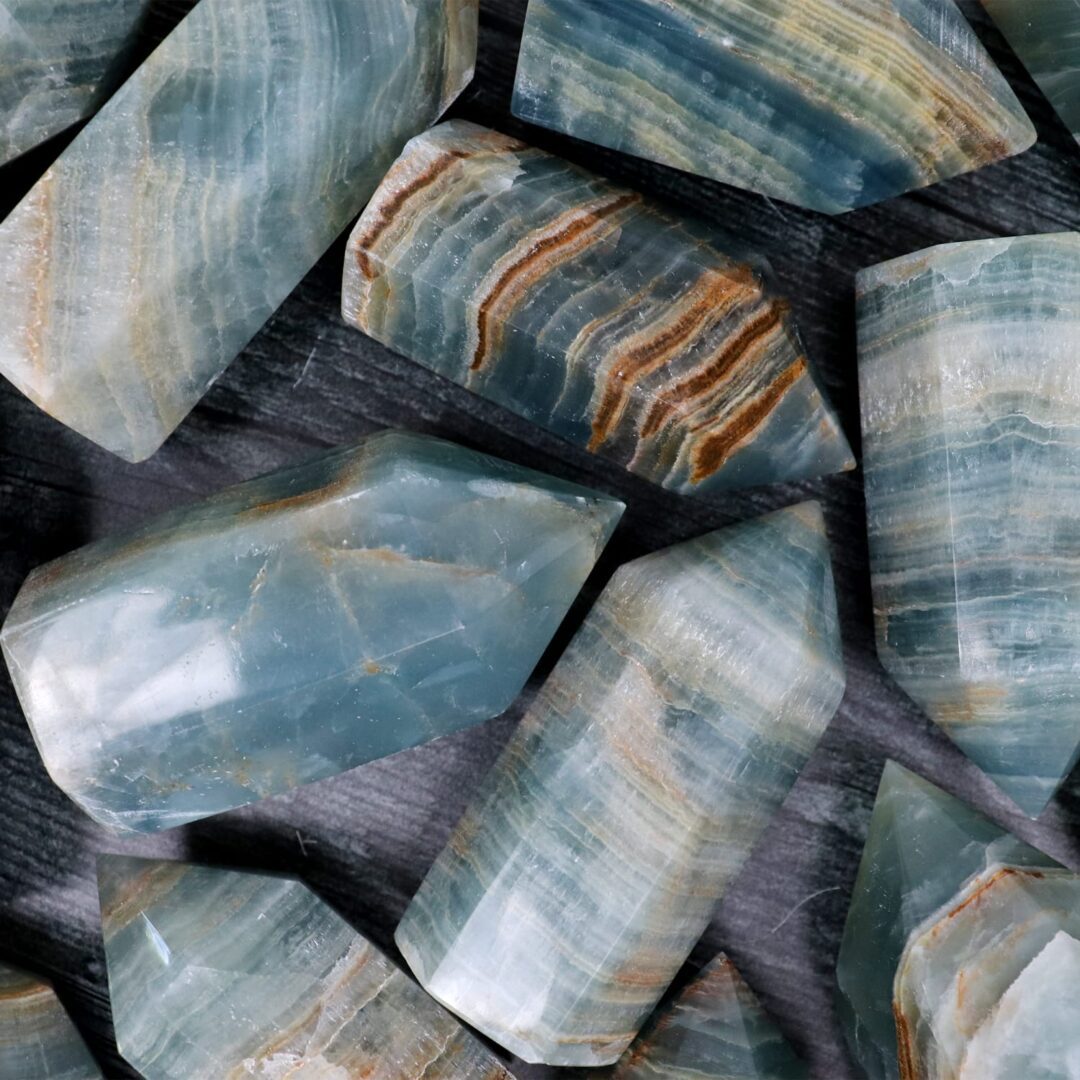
(58,64)
(631,794)
(1045,34)
(167,233)
(584,309)
(973,975)
(218,975)
(38,1041)
(295,626)
(970,392)
(921,849)
(828,104)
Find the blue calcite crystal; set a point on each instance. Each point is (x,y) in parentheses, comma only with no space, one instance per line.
(632,792)
(923,846)
(970,396)
(1045,34)
(38,1041)
(167,233)
(828,104)
(58,63)
(219,975)
(296,626)
(583,308)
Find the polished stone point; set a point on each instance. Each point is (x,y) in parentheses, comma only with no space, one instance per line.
(1045,34)
(583,308)
(220,975)
(38,1041)
(827,104)
(634,789)
(989,986)
(923,846)
(295,626)
(58,64)
(970,392)
(189,208)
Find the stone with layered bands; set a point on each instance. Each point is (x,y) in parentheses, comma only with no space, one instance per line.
(970,396)
(219,975)
(583,308)
(922,848)
(295,626)
(631,794)
(828,104)
(58,64)
(1045,34)
(167,233)
(989,986)
(38,1041)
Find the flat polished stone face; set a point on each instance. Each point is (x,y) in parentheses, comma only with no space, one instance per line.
(970,393)
(172,227)
(922,847)
(38,1041)
(973,976)
(218,975)
(584,309)
(828,104)
(632,792)
(296,626)
(58,63)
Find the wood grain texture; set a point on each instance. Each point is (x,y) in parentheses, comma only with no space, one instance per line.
(364,840)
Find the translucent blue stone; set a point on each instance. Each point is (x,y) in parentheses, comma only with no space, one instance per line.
(295,626)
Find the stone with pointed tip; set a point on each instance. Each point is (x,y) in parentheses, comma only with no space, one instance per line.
(633,791)
(295,626)
(219,975)
(970,395)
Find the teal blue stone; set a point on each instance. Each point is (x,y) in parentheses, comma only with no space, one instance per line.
(295,626)
(649,765)
(219,975)
(922,848)
(38,1041)
(970,395)
(580,306)
(828,104)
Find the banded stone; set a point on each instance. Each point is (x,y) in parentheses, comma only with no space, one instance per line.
(828,104)
(631,794)
(167,233)
(219,975)
(295,626)
(970,396)
(585,309)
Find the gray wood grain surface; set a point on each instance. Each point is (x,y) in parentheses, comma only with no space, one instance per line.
(364,840)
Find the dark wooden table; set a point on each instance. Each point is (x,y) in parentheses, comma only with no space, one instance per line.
(364,840)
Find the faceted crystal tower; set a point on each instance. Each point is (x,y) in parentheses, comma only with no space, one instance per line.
(215,974)
(630,796)
(38,1041)
(296,626)
(970,394)
(164,237)
(587,310)
(828,104)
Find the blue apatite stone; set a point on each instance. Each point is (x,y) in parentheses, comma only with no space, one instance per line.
(633,791)
(216,974)
(582,307)
(970,394)
(828,104)
(196,200)
(296,626)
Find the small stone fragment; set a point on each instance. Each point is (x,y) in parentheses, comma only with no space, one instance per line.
(583,308)
(668,734)
(219,975)
(295,626)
